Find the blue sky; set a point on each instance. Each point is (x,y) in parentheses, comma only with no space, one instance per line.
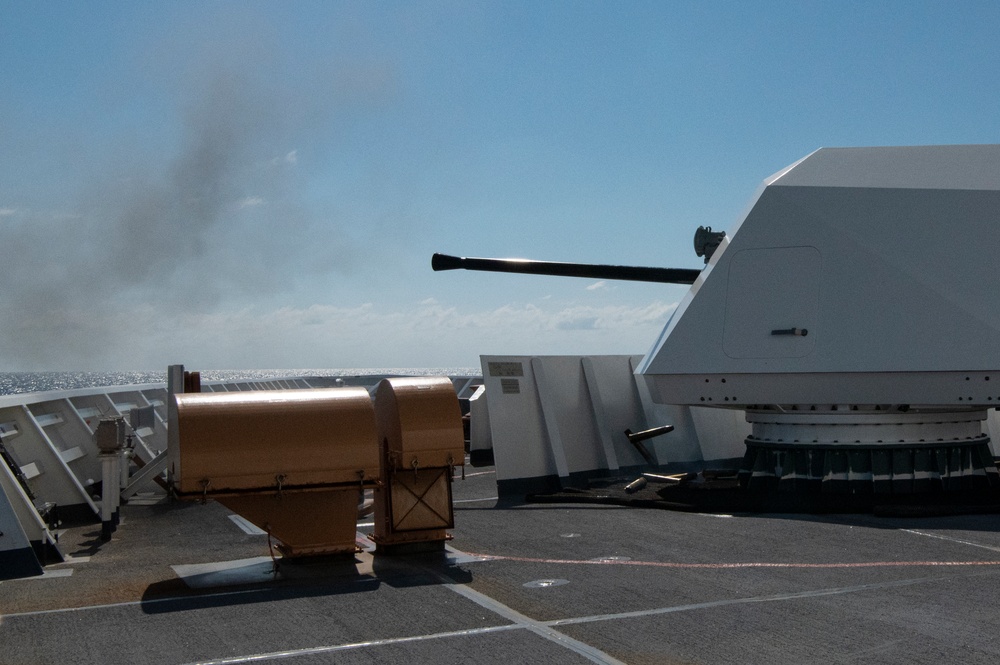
(262,184)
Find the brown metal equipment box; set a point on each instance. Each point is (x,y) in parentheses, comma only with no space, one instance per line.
(292,462)
(238,442)
(420,419)
(422,440)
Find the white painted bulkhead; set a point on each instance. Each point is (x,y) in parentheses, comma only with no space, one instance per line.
(557,420)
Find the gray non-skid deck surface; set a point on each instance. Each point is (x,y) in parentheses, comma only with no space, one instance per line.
(560,584)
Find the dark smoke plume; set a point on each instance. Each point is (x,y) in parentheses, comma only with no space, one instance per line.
(221,215)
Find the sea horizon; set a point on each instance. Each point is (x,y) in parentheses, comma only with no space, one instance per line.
(13,383)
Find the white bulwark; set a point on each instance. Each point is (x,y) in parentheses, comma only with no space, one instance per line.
(17,558)
(555,421)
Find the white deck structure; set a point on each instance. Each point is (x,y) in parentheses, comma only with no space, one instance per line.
(885,256)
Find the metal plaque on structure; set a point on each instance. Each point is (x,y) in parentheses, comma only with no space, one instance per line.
(510,386)
(506,369)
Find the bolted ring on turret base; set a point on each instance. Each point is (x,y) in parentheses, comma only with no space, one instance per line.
(870,450)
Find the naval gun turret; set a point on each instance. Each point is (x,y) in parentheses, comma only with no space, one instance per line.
(854,315)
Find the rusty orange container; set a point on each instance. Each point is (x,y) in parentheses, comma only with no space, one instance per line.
(258,440)
(422,440)
(421,421)
(292,462)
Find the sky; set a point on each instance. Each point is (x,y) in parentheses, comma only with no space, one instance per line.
(261,185)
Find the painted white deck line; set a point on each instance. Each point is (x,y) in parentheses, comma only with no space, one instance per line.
(952,540)
(225,573)
(247,527)
(70,559)
(547,630)
(312,651)
(542,629)
(46,575)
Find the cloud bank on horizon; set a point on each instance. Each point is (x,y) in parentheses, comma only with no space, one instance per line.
(262,185)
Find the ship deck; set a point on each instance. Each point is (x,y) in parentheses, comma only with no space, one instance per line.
(525,583)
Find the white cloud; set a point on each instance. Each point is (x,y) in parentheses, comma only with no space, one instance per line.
(252,202)
(578,323)
(290,158)
(430,335)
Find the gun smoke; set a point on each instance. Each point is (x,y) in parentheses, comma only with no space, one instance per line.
(157,236)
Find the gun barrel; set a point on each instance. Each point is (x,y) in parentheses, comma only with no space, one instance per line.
(589,270)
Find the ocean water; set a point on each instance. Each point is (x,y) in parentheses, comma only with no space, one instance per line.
(32,382)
